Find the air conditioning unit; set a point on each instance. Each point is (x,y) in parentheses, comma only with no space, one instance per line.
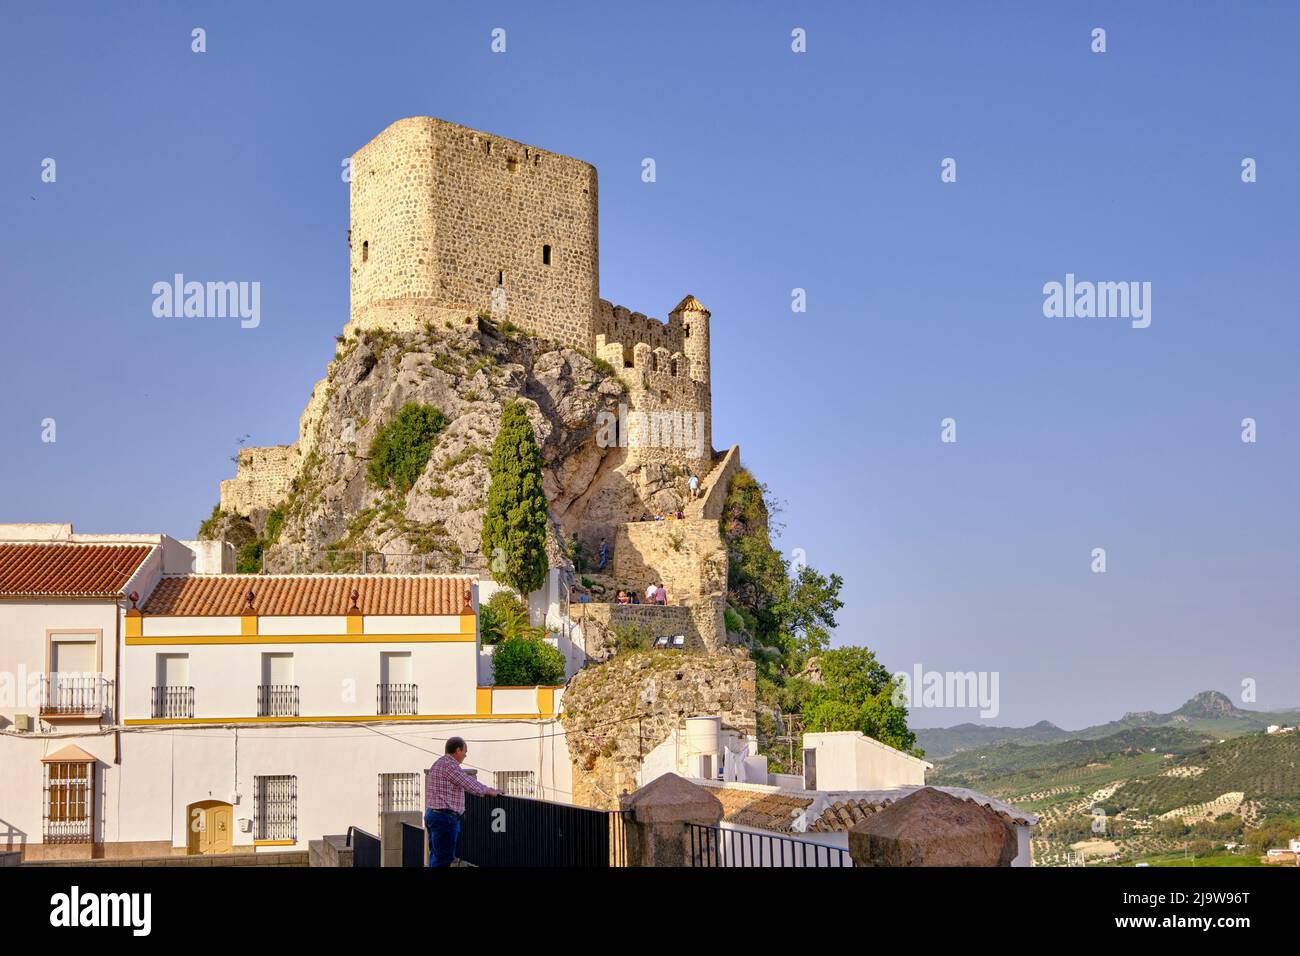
(23,723)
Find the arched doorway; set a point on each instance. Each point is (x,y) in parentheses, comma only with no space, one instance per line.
(209,824)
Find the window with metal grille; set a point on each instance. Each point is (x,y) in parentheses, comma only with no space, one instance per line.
(275,808)
(400,792)
(68,800)
(516,783)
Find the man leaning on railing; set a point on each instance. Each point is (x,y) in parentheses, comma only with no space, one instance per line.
(445,786)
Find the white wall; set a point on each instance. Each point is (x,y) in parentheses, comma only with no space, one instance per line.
(163,770)
(848,760)
(334,680)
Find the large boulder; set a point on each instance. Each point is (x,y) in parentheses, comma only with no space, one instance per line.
(933,828)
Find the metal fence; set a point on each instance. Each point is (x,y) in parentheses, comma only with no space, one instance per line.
(715,846)
(401,792)
(397,699)
(286,560)
(65,696)
(173,702)
(517,831)
(412,845)
(275,808)
(277,700)
(365,847)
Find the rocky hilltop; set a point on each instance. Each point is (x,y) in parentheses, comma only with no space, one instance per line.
(331,512)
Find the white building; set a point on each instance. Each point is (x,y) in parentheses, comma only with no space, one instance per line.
(152,703)
(847,778)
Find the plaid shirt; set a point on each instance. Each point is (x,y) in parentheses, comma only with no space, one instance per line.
(445,785)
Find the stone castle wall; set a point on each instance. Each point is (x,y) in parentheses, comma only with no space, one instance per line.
(688,556)
(598,622)
(263,477)
(448,221)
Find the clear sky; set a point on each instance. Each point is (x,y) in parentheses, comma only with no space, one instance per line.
(775,170)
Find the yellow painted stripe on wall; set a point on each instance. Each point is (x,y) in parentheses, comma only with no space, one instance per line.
(483,700)
(308,639)
(248,624)
(362,719)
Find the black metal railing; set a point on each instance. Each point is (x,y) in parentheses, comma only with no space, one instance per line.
(173,701)
(715,846)
(397,699)
(412,845)
(277,700)
(540,833)
(365,847)
(88,695)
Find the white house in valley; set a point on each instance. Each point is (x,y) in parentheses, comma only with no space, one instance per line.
(154,703)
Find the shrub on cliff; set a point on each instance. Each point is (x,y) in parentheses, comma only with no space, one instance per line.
(526,661)
(401,448)
(514,524)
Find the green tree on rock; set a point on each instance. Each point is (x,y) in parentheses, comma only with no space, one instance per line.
(857,693)
(514,524)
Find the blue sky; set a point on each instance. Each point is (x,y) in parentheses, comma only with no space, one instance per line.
(775,170)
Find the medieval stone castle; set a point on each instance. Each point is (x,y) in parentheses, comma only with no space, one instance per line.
(449,222)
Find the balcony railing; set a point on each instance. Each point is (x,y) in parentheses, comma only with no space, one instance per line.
(397,699)
(277,700)
(88,695)
(172,701)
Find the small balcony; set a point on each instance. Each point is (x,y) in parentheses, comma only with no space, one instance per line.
(172,701)
(397,699)
(277,700)
(81,696)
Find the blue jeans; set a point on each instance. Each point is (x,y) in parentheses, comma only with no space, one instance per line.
(444,831)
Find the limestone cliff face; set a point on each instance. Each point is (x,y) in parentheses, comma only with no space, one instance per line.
(332,513)
(617,712)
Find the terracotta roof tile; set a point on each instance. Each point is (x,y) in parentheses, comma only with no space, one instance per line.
(691,304)
(223,595)
(760,810)
(68,570)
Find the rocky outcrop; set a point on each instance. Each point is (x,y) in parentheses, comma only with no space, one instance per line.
(332,512)
(617,712)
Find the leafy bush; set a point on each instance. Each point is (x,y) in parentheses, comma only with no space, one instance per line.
(401,448)
(628,637)
(514,524)
(248,560)
(525,662)
(274,522)
(504,617)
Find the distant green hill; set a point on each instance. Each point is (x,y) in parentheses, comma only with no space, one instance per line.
(1266,767)
(1209,713)
(1009,768)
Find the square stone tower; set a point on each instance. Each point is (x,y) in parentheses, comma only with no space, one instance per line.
(448,222)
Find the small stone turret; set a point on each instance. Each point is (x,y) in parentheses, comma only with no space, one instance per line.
(695,332)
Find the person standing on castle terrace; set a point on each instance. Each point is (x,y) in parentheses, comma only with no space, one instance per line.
(694,484)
